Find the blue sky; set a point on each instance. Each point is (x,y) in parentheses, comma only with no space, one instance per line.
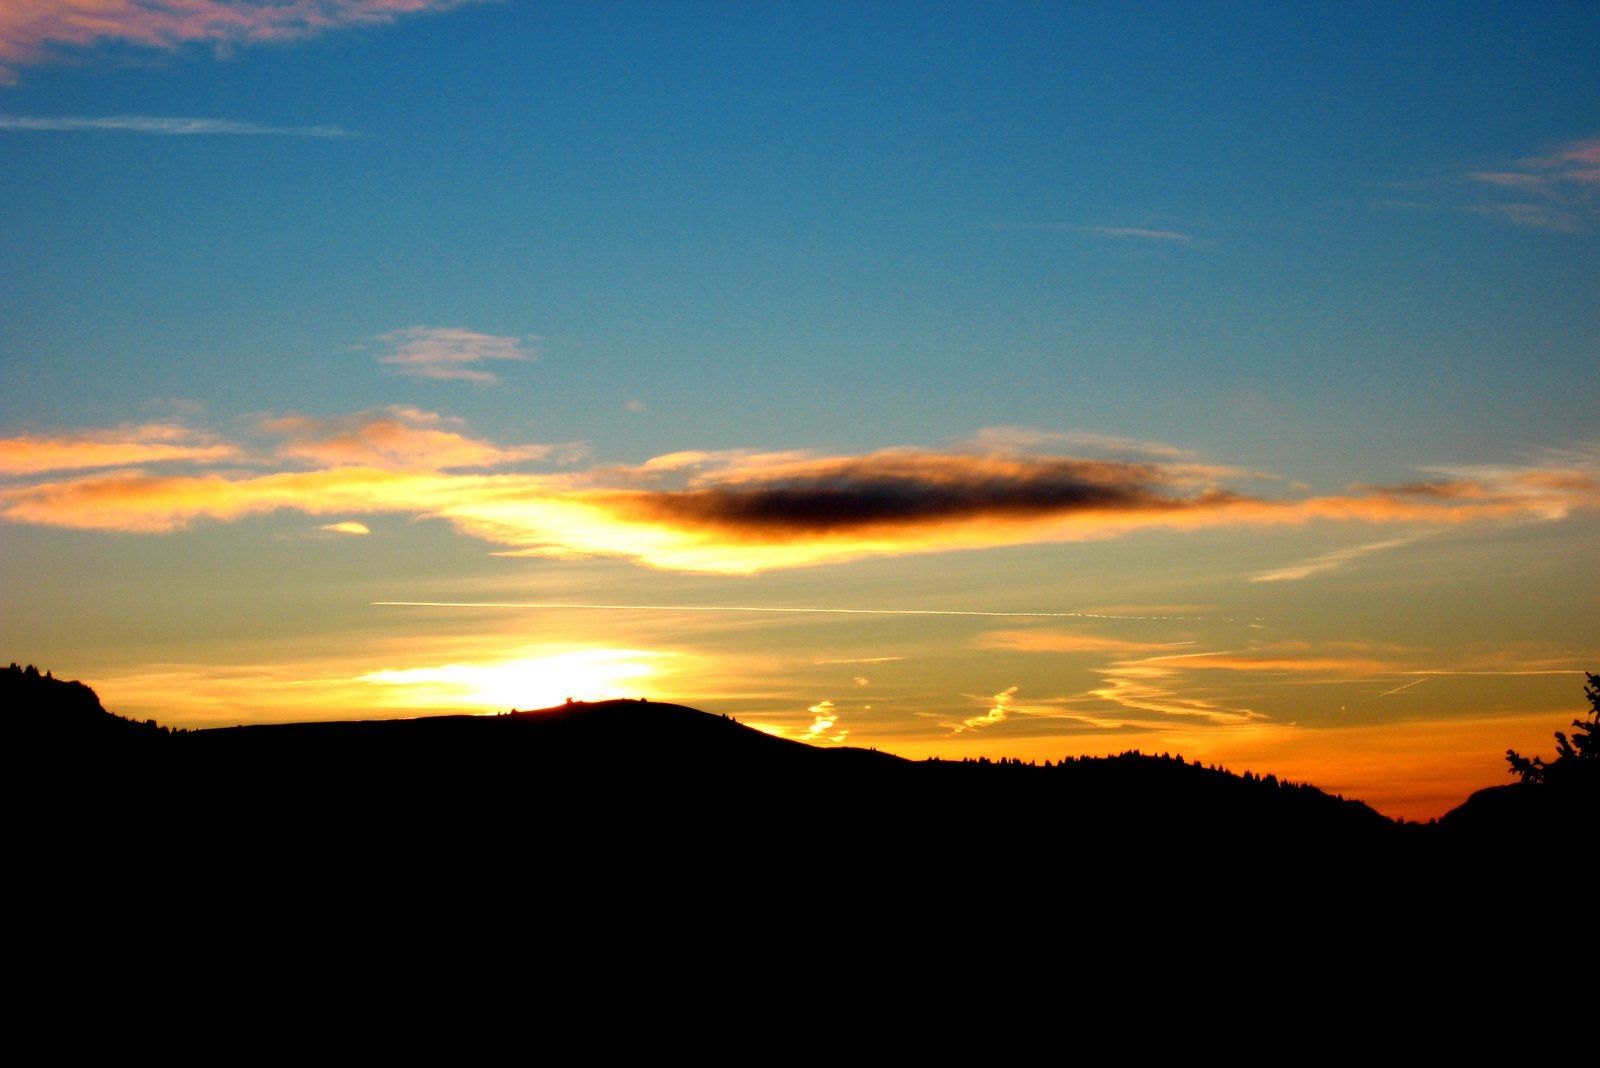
(822,202)
(1333,246)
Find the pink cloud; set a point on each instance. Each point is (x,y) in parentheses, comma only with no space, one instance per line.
(34,31)
(450,353)
(1559,191)
(393,437)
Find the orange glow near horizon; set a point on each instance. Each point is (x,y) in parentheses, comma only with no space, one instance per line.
(201,696)
(1414,771)
(526,682)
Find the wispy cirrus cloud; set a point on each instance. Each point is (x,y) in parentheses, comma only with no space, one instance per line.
(451,353)
(1139,233)
(37,31)
(743,512)
(1146,686)
(1030,439)
(166,126)
(1136,233)
(1329,561)
(1557,191)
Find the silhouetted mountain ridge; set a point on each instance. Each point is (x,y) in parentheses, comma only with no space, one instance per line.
(638,763)
(37,707)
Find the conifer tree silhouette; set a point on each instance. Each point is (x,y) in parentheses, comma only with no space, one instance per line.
(1577,757)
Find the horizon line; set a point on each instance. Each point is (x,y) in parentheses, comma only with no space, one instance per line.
(784,610)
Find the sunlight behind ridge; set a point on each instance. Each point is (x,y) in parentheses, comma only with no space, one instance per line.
(523,682)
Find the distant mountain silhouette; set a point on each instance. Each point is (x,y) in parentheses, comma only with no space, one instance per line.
(633,764)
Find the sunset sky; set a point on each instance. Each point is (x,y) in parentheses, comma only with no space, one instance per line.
(957,379)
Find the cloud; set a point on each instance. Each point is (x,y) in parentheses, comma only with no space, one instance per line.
(449,353)
(151,443)
(1151,688)
(1577,162)
(898,489)
(394,437)
(171,127)
(787,610)
(139,502)
(1146,687)
(1330,561)
(1533,216)
(636,406)
(747,512)
(349,526)
(1558,191)
(1160,690)
(36,31)
(1136,232)
(1154,692)
(998,712)
(824,719)
(1278,662)
(1045,641)
(1019,439)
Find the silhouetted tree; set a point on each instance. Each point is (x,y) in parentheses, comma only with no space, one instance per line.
(1576,756)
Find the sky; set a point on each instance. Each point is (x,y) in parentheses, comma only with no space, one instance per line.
(987,379)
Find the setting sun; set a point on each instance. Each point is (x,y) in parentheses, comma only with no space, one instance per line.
(524,682)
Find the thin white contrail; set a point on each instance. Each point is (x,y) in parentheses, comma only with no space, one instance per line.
(1426,675)
(786,611)
(1407,686)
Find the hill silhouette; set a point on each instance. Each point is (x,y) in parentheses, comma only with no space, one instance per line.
(629,764)
(1560,796)
(40,709)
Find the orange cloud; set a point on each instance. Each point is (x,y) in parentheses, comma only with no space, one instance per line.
(142,503)
(998,712)
(397,436)
(1047,641)
(742,513)
(1159,690)
(32,31)
(152,443)
(1268,662)
(1153,692)
(824,718)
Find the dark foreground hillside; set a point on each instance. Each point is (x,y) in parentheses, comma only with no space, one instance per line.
(619,766)
(1557,797)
